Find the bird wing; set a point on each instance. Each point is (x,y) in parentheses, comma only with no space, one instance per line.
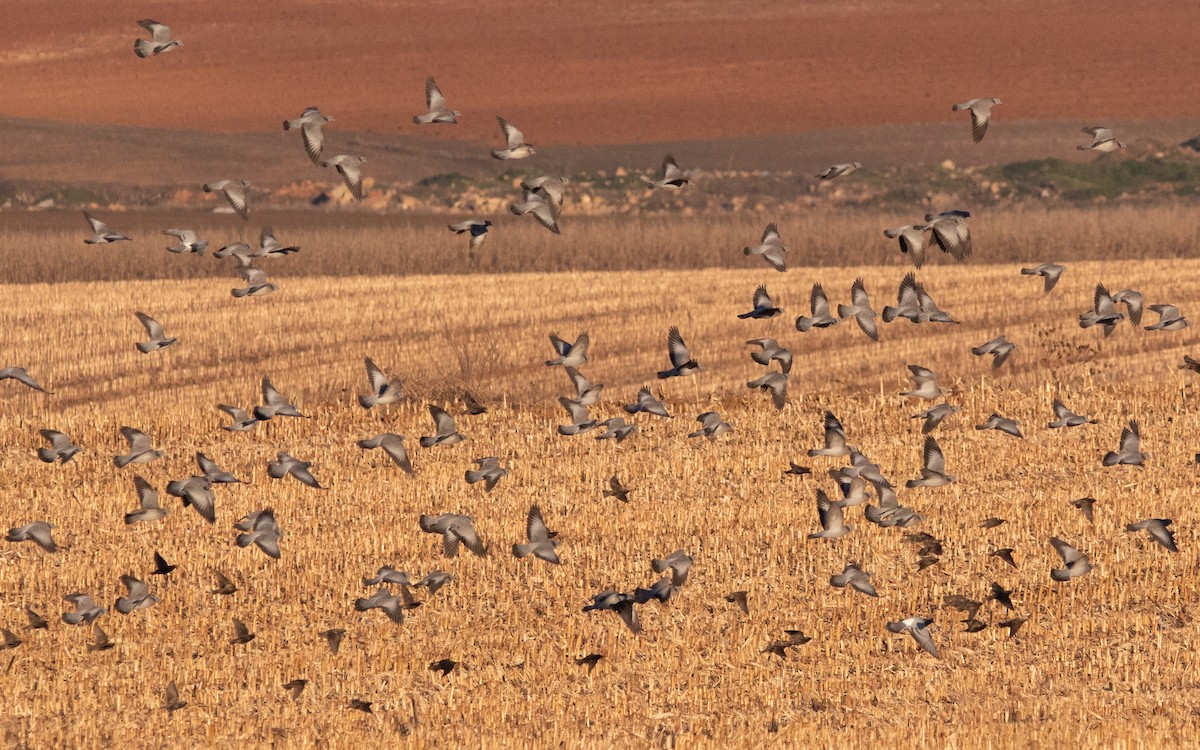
(761,298)
(138,440)
(858,294)
(152,326)
(979,122)
(513,136)
(442,421)
(932,455)
(158,32)
(771,235)
(1131,438)
(535,526)
(433,96)
(670,170)
(676,348)
(378,380)
(1068,553)
(818,301)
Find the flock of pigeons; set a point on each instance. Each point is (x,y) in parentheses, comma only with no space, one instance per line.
(858,482)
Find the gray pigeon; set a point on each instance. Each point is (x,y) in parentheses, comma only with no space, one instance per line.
(101,234)
(1133,302)
(241,418)
(552,189)
(158,338)
(160,39)
(681,359)
(1064,417)
(490,472)
(933,417)
(617,428)
(1157,527)
(214,473)
(393,606)
(234,192)
(446,433)
(771,248)
(981,115)
(1130,449)
(924,383)
(837,170)
(38,532)
(678,563)
(274,404)
(434,581)
(196,492)
(1075,562)
(646,402)
(711,426)
(860,310)
(310,123)
(569,355)
(933,472)
(21,375)
(188,242)
(856,578)
(771,351)
(998,347)
(285,464)
(350,168)
(139,596)
(264,533)
(581,421)
(918,628)
(832,520)
(86,609)
(835,438)
(672,177)
(515,146)
(1050,273)
(454,529)
(388,574)
(774,383)
(538,206)
(890,512)
(617,490)
(477,228)
(542,544)
(141,449)
(912,241)
(1103,140)
(764,307)
(61,448)
(1169,319)
(393,446)
(620,603)
(1003,424)
(1103,313)
(950,232)
(257,284)
(821,317)
(586,393)
(436,103)
(384,390)
(149,509)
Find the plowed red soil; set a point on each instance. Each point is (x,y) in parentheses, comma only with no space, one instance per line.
(573,72)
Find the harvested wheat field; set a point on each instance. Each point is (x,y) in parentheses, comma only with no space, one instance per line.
(1113,651)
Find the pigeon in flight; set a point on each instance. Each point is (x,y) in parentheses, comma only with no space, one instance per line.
(918,628)
(538,206)
(933,417)
(771,350)
(581,421)
(681,359)
(586,393)
(1086,505)
(257,284)
(912,241)
(38,532)
(860,310)
(1169,319)
(274,404)
(764,307)
(196,492)
(393,446)
(771,248)
(141,449)
(981,115)
(393,606)
(617,428)
(285,464)
(821,317)
(454,529)
(61,448)
(158,337)
(569,355)
(1157,527)
(310,123)
(950,232)
(776,384)
(1103,313)
(515,145)
(446,433)
(490,472)
(234,192)
(384,390)
(541,540)
(837,170)
(835,438)
(350,168)
(924,383)
(933,472)
(86,609)
(647,403)
(711,426)
(620,603)
(856,578)
(832,520)
(1075,562)
(264,533)
(1130,448)
(139,596)
(101,641)
(617,490)
(188,242)
(101,234)
(242,420)
(148,509)
(552,189)
(998,347)
(1003,424)
(478,229)
(171,700)
(160,39)
(672,176)
(1064,417)
(1103,140)
(1050,273)
(1133,301)
(435,581)
(436,104)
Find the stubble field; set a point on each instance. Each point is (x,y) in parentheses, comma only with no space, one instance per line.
(1114,649)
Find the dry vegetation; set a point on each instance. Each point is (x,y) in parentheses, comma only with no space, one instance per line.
(1106,659)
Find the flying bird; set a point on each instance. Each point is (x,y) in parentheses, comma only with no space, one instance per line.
(711,426)
(161,566)
(838,170)
(617,428)
(1050,273)
(454,529)
(295,687)
(141,449)
(912,241)
(764,307)
(539,207)
(622,604)
(445,433)
(139,596)
(257,284)
(741,599)
(1075,562)
(860,310)
(100,639)
(101,234)
(542,544)
(1169,319)
(770,247)
(171,700)
(1133,301)
(856,578)
(1003,424)
(241,633)
(776,384)
(981,115)
(1104,312)
(1130,448)
(831,517)
(617,490)
(924,383)
(835,438)
(86,609)
(918,628)
(393,606)
(242,420)
(234,192)
(214,473)
(1085,505)
(148,507)
(770,351)
(274,404)
(38,532)
(586,393)
(384,389)
(61,448)
(515,145)
(478,229)
(552,189)
(1157,528)
(436,104)
(647,403)
(569,355)
(285,464)
(310,122)
(1103,140)
(490,472)
(264,534)
(350,168)
(681,359)
(821,317)
(158,337)
(934,416)
(950,232)
(1064,417)
(672,176)
(188,242)
(933,471)
(160,39)
(581,421)
(998,347)
(197,493)
(393,445)
(333,637)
